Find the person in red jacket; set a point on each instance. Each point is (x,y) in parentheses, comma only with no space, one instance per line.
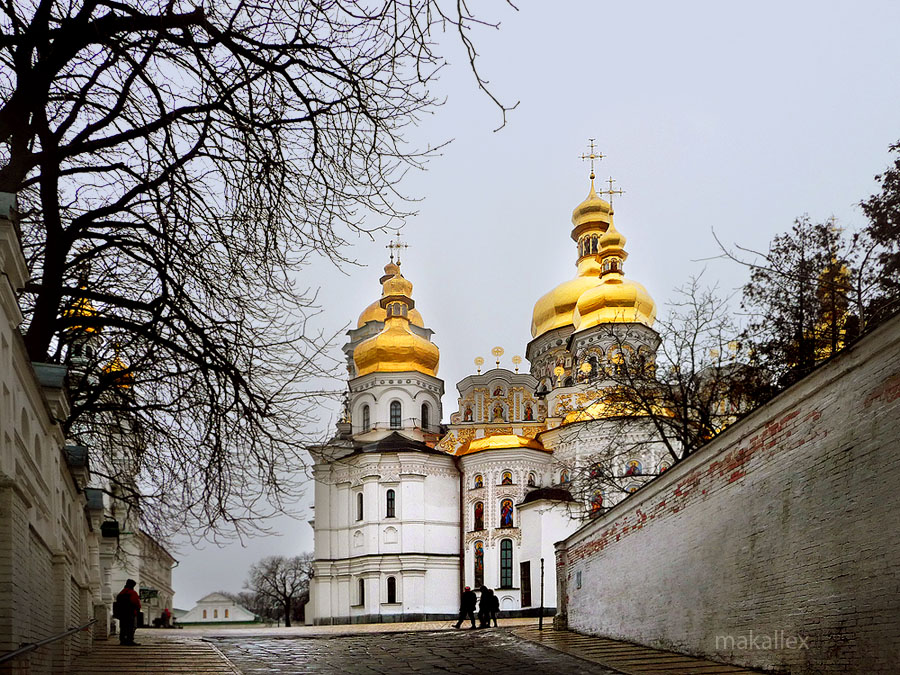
(125,609)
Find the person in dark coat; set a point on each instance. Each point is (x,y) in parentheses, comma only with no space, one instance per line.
(125,609)
(467,607)
(495,607)
(484,607)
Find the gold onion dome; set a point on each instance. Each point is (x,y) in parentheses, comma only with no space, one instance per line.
(375,312)
(396,348)
(120,372)
(499,442)
(556,308)
(81,308)
(616,299)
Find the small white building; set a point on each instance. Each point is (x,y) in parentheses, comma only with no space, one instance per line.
(217,608)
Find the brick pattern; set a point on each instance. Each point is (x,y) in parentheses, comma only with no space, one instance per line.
(773,547)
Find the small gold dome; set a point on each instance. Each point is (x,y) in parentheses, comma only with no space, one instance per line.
(81,308)
(615,300)
(396,348)
(118,369)
(375,312)
(499,442)
(592,213)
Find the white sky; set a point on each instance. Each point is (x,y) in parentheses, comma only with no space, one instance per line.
(711,116)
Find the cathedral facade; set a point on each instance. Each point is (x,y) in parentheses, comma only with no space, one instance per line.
(409,510)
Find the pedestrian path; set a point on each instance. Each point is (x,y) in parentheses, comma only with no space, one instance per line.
(624,657)
(159,653)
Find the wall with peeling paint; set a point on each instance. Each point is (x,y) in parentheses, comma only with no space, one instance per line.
(776,546)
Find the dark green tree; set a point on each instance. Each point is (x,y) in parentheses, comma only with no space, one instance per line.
(883,231)
(800,301)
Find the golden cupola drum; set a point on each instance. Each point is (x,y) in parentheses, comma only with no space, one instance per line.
(396,348)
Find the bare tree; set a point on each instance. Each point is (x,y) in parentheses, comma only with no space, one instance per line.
(177,168)
(281,581)
(645,412)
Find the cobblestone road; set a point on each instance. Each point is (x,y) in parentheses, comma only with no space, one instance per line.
(487,652)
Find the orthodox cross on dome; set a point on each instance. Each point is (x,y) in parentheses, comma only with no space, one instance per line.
(497,352)
(397,246)
(479,361)
(610,192)
(516,361)
(592,156)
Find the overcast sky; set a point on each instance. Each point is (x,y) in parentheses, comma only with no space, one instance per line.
(718,116)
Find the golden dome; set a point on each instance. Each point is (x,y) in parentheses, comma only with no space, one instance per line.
(499,442)
(556,308)
(396,348)
(116,368)
(592,213)
(81,308)
(608,408)
(375,312)
(616,299)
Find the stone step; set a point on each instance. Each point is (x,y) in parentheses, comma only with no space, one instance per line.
(154,655)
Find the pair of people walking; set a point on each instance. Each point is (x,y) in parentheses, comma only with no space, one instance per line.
(488,607)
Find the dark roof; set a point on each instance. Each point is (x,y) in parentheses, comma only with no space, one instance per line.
(51,375)
(94,499)
(76,455)
(551,493)
(396,442)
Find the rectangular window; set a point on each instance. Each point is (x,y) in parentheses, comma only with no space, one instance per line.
(525,582)
(506,563)
(204,613)
(226,613)
(215,614)
(390,504)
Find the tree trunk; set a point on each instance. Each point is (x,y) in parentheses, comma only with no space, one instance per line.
(287,613)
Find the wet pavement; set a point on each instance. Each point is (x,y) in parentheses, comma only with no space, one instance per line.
(481,652)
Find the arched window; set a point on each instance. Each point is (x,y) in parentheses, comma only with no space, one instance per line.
(226,613)
(594,244)
(532,481)
(204,613)
(215,614)
(479,481)
(479,564)
(563,477)
(478,520)
(506,563)
(395,415)
(359,506)
(391,590)
(425,420)
(389,498)
(506,513)
(361,589)
(366,418)
(506,478)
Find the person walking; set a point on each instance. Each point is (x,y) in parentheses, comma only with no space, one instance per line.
(484,607)
(125,609)
(495,607)
(467,607)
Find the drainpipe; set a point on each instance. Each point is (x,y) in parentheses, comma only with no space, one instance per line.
(462,527)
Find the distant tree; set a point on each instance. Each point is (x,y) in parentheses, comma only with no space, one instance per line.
(801,299)
(177,164)
(282,582)
(883,231)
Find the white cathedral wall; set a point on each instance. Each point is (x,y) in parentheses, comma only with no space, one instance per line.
(419,546)
(379,390)
(544,523)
